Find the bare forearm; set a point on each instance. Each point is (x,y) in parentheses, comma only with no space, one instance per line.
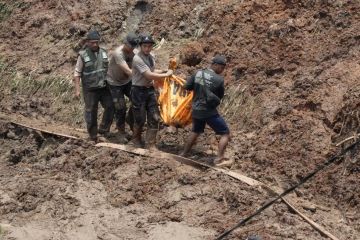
(157,76)
(125,68)
(159,71)
(76,81)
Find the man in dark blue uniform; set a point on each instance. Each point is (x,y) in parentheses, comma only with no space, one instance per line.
(208,88)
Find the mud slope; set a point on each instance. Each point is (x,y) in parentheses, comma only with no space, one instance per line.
(293,93)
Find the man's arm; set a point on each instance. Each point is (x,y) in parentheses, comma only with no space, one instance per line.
(157,76)
(125,68)
(160,71)
(120,61)
(221,90)
(76,81)
(189,85)
(77,75)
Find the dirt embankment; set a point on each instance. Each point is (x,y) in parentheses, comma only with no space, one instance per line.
(293,80)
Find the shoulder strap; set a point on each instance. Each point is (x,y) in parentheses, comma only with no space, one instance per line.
(205,88)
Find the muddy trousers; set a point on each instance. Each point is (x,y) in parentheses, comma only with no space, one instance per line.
(92,98)
(145,107)
(118,94)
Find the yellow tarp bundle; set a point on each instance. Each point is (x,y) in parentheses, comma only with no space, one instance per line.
(174,100)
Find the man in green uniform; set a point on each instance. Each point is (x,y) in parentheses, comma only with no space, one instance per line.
(91,69)
(143,93)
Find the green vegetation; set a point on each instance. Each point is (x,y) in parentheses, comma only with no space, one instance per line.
(5,11)
(58,87)
(57,90)
(7,8)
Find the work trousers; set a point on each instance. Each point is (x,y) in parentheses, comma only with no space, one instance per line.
(118,94)
(92,97)
(145,107)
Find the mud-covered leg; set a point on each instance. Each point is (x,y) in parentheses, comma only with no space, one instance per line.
(91,99)
(108,115)
(138,97)
(153,119)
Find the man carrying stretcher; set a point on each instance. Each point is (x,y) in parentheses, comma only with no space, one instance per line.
(208,88)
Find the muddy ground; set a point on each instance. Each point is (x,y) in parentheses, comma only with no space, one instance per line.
(292,94)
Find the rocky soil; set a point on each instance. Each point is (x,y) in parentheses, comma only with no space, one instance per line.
(292,94)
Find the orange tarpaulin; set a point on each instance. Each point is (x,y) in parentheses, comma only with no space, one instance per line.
(174,100)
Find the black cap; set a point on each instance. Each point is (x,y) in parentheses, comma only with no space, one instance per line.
(93,35)
(219,59)
(132,40)
(146,39)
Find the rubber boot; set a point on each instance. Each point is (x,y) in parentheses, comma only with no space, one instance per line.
(121,136)
(136,137)
(150,139)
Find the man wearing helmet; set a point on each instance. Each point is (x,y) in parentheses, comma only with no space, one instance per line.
(91,68)
(145,107)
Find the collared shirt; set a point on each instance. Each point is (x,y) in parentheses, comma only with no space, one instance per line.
(141,64)
(115,75)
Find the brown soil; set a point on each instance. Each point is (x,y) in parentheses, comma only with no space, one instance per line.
(293,92)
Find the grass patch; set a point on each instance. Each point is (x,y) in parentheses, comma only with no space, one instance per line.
(238,105)
(57,91)
(7,8)
(5,11)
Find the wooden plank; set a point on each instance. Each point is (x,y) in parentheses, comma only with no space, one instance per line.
(347,139)
(238,176)
(311,222)
(188,161)
(44,130)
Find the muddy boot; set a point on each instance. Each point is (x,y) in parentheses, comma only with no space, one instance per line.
(150,139)
(104,132)
(136,138)
(92,138)
(121,135)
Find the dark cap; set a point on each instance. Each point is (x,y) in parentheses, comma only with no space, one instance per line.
(93,35)
(132,40)
(146,39)
(219,59)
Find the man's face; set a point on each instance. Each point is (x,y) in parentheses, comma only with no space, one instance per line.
(218,68)
(146,48)
(93,45)
(128,48)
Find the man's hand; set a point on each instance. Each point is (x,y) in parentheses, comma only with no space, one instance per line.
(76,87)
(169,73)
(77,93)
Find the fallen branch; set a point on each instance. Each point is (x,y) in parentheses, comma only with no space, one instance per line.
(311,222)
(347,139)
